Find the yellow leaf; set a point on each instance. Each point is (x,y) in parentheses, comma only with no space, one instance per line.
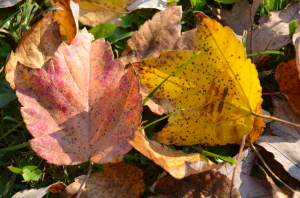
(177,163)
(219,90)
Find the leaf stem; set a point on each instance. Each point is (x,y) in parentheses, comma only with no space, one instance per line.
(276,119)
(272,93)
(238,159)
(267,52)
(263,161)
(80,190)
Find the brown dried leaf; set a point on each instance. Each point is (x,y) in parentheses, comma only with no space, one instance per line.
(67,18)
(207,184)
(247,185)
(161,33)
(8,3)
(93,13)
(56,188)
(273,31)
(117,180)
(177,163)
(286,145)
(36,47)
(240,17)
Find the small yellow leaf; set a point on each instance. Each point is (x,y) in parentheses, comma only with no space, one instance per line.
(219,90)
(177,163)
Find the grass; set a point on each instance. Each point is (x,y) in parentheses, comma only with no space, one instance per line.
(14,137)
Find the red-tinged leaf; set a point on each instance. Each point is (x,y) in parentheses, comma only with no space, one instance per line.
(81,106)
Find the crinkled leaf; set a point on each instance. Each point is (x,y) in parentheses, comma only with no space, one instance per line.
(82,105)
(219,90)
(139,4)
(8,3)
(117,180)
(35,48)
(177,163)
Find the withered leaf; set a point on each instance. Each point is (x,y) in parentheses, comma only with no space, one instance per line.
(177,163)
(36,47)
(207,184)
(286,145)
(117,180)
(8,3)
(81,106)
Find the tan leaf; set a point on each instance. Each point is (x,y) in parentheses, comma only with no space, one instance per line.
(162,32)
(93,13)
(36,47)
(56,188)
(240,17)
(117,180)
(8,3)
(273,31)
(177,163)
(207,184)
(67,18)
(247,185)
(286,145)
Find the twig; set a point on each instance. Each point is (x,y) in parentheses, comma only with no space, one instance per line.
(276,119)
(80,190)
(262,160)
(238,159)
(188,22)
(272,93)
(117,53)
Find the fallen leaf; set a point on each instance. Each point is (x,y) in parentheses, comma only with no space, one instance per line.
(286,145)
(67,18)
(81,106)
(240,17)
(276,192)
(36,47)
(139,4)
(287,76)
(219,91)
(162,32)
(93,13)
(177,163)
(117,180)
(247,185)
(296,41)
(207,184)
(8,3)
(273,31)
(55,188)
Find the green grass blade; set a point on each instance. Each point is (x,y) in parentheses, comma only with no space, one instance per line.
(266,52)
(225,158)
(3,23)
(12,148)
(161,119)
(12,130)
(181,68)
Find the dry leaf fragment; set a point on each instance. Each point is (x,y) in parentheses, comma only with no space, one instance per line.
(177,163)
(56,188)
(219,91)
(273,31)
(162,32)
(247,185)
(287,76)
(286,145)
(67,18)
(8,3)
(139,4)
(240,17)
(207,184)
(82,106)
(36,47)
(117,180)
(93,13)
